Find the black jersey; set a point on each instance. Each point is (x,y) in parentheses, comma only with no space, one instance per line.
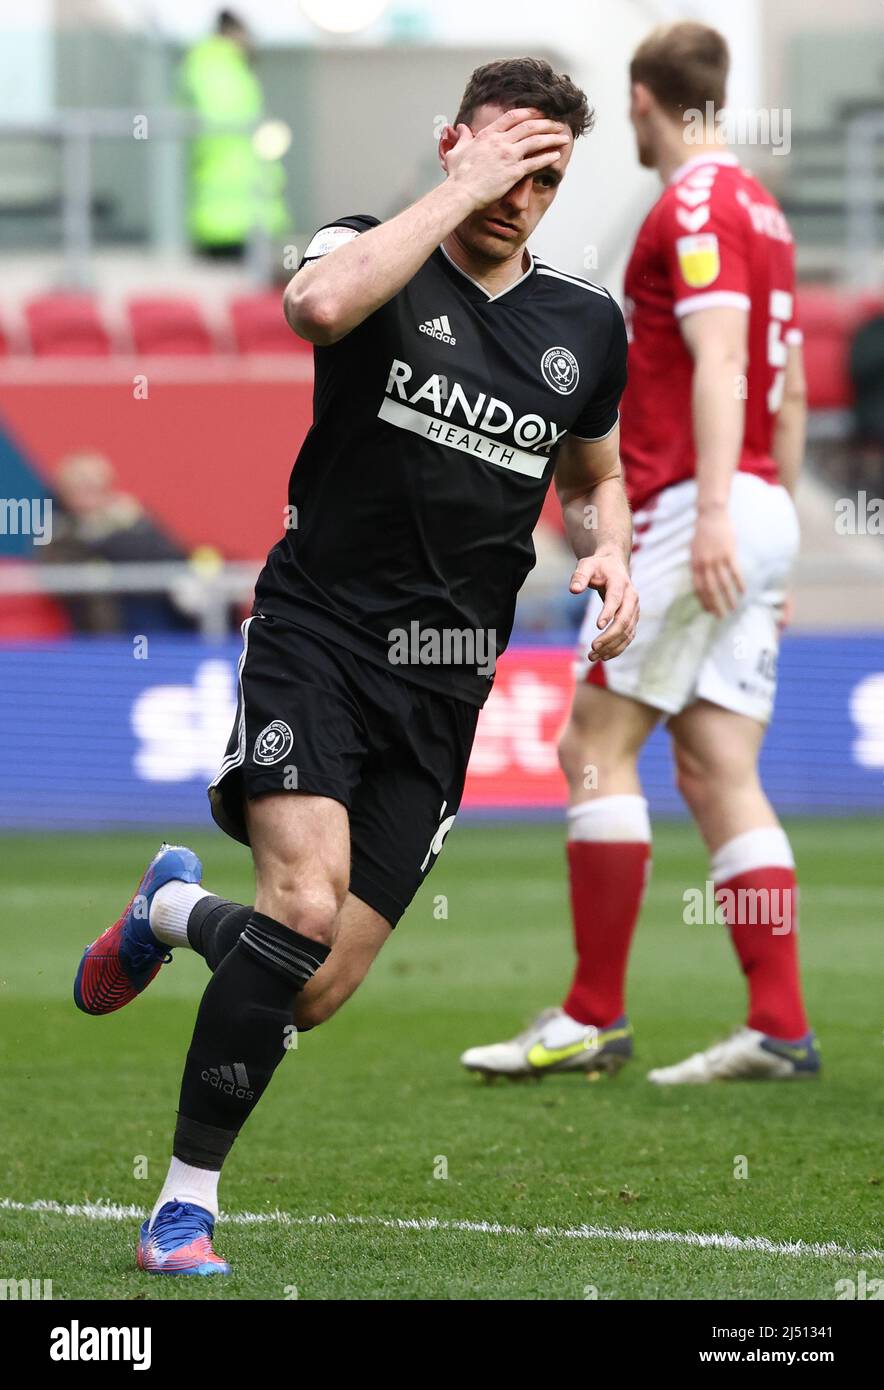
(417,489)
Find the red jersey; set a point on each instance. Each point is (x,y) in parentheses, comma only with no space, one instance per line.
(715,238)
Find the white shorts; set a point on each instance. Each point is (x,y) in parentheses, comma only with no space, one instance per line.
(681,653)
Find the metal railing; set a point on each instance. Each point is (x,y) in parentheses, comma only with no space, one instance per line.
(203,592)
(163,131)
(160,133)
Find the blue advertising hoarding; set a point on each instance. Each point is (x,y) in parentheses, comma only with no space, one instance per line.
(104,732)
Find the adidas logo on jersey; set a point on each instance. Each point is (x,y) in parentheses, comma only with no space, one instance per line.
(233,1081)
(438,328)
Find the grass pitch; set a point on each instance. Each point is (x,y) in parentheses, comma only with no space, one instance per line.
(591,1186)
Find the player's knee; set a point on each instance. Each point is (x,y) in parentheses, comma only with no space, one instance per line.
(589,761)
(568,751)
(692,783)
(703,781)
(308,907)
(577,753)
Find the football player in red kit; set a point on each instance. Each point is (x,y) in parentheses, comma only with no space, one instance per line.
(712,433)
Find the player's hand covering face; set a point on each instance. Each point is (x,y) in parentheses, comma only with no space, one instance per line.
(511,164)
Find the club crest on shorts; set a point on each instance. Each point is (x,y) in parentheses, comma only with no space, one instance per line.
(560,370)
(273,743)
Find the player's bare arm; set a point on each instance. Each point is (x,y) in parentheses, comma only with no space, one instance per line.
(791,426)
(788,439)
(716,339)
(598,523)
(328,299)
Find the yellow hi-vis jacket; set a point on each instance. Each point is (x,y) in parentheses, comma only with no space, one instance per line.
(232,191)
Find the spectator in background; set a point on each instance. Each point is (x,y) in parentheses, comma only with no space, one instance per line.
(93,521)
(233,191)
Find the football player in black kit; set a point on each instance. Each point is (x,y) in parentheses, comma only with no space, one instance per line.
(456,374)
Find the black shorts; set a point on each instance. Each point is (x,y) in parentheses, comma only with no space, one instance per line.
(314,717)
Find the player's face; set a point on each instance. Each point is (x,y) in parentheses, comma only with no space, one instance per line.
(500,230)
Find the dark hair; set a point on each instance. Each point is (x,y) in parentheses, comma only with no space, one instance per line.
(512,82)
(684,66)
(228,21)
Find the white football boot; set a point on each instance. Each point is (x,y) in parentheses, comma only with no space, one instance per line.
(554,1042)
(747,1055)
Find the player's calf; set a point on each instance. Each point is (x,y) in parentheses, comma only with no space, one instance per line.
(361,932)
(244,1027)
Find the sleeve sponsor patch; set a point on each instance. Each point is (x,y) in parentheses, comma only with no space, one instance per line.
(329,239)
(698,259)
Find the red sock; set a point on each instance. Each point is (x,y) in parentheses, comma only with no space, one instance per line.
(759,902)
(608,878)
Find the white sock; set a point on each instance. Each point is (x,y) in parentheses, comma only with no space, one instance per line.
(171,906)
(186,1184)
(612,819)
(766,848)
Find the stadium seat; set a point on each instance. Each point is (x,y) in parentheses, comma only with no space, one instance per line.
(829,318)
(31,617)
(166,326)
(66,325)
(822,309)
(259,325)
(825,367)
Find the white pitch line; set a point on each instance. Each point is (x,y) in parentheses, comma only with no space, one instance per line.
(112,1211)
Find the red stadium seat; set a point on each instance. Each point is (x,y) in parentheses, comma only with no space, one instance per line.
(822,309)
(163,326)
(825,367)
(66,325)
(31,617)
(259,325)
(829,318)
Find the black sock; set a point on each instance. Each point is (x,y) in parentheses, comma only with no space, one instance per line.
(214,927)
(245,1021)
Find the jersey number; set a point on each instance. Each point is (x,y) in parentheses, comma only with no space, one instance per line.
(777,348)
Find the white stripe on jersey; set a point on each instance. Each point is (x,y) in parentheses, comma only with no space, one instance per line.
(543,269)
(715,299)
